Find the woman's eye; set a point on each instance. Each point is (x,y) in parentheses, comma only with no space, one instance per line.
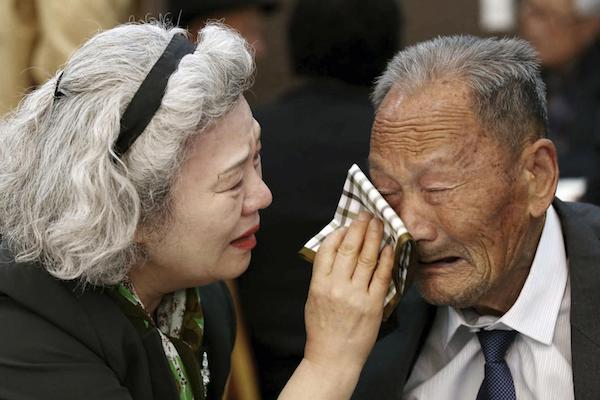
(237,186)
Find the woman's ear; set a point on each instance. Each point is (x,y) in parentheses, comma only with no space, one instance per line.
(139,237)
(541,174)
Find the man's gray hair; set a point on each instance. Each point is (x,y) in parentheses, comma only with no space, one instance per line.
(587,8)
(507,91)
(63,200)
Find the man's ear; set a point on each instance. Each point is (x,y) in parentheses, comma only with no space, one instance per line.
(541,174)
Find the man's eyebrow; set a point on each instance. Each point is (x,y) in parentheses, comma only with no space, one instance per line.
(373,164)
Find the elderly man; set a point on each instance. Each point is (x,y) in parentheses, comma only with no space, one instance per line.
(506,294)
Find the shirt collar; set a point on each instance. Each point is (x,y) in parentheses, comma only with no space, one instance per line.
(535,311)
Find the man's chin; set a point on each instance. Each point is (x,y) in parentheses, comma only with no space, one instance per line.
(439,295)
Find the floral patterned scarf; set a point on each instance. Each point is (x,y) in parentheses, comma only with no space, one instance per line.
(180,323)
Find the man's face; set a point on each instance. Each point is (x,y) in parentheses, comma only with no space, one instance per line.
(456,190)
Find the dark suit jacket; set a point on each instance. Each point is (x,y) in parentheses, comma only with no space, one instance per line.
(59,342)
(391,361)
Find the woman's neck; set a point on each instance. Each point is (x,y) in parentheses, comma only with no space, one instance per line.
(147,288)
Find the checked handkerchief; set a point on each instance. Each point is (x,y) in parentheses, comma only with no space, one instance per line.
(359,194)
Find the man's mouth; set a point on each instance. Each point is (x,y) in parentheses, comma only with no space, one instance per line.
(247,241)
(439,262)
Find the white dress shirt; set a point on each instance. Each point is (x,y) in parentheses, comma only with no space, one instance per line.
(451,364)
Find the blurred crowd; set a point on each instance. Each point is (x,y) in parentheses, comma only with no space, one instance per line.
(566,34)
(316,127)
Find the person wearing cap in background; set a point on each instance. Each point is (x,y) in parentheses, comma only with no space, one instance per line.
(245,16)
(312,135)
(566,35)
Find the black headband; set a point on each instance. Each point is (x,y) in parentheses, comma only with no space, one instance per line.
(147,99)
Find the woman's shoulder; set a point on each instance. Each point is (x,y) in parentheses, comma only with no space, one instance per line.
(53,330)
(28,288)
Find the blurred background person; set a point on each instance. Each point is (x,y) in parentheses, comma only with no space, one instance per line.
(311,136)
(566,34)
(37,36)
(246,16)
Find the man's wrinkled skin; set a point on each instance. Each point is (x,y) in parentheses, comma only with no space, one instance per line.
(475,211)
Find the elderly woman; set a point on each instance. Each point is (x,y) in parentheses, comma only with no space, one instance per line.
(130,186)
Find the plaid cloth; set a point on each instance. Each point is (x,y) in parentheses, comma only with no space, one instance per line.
(358,195)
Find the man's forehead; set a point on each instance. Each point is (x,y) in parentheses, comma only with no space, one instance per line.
(425,121)
(434,129)
(391,102)
(436,95)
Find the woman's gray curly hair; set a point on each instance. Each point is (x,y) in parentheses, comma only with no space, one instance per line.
(63,200)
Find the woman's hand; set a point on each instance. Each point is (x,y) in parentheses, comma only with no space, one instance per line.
(345,302)
(343,312)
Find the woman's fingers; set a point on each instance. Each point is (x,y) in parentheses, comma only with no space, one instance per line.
(382,277)
(352,254)
(345,299)
(327,253)
(349,249)
(367,259)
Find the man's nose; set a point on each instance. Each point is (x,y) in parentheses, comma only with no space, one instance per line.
(418,217)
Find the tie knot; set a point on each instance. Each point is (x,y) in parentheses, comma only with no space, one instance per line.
(494,344)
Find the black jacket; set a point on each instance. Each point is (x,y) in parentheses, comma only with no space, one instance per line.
(59,342)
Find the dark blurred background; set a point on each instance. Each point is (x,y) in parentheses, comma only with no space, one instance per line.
(423,19)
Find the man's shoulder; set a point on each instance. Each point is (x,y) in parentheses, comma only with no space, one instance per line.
(579,214)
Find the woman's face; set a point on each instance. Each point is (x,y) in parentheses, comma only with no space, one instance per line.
(215,203)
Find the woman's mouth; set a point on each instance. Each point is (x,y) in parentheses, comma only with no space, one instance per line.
(247,241)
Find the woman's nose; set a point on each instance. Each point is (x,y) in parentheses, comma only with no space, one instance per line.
(258,196)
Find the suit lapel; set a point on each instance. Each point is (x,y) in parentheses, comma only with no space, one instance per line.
(583,253)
